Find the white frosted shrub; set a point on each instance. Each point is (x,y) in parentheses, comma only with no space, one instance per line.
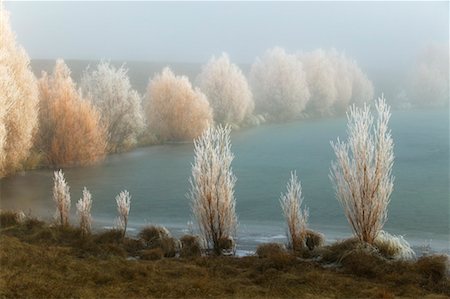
(84,205)
(296,217)
(321,76)
(123,201)
(175,111)
(61,197)
(429,81)
(334,81)
(119,105)
(18,100)
(362,172)
(279,85)
(396,247)
(212,187)
(227,90)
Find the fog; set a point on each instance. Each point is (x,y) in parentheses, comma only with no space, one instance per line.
(375,34)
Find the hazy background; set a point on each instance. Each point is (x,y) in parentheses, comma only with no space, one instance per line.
(376,34)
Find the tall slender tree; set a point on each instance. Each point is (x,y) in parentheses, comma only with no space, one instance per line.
(18,100)
(212,187)
(362,173)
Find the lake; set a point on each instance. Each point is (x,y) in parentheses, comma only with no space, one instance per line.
(157,178)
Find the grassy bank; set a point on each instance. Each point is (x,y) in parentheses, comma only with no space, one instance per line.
(43,261)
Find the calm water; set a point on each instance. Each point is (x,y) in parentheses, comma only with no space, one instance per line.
(157,178)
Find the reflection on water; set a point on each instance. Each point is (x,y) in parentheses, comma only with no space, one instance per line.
(157,178)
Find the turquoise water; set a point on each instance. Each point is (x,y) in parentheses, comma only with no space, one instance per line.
(157,178)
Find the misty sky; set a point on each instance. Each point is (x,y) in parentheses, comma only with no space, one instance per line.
(374,33)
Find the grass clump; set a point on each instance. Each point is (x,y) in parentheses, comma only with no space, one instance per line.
(269,250)
(159,237)
(190,246)
(393,247)
(314,239)
(11,218)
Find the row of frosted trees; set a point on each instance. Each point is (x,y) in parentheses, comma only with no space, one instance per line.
(52,122)
(55,123)
(361,174)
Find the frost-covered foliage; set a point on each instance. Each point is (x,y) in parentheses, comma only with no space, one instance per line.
(61,197)
(361,173)
(123,201)
(175,111)
(18,100)
(430,78)
(227,90)
(334,81)
(296,217)
(84,205)
(212,187)
(279,85)
(119,105)
(70,129)
(395,247)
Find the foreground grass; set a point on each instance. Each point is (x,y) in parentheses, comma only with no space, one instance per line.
(40,261)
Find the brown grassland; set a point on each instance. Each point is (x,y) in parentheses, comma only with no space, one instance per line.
(38,260)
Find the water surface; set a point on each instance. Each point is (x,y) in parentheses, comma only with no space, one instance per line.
(157,178)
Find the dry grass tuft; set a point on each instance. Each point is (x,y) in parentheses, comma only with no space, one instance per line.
(314,239)
(269,250)
(9,218)
(393,247)
(190,246)
(159,237)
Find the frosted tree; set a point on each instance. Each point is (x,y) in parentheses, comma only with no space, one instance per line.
(321,76)
(361,174)
(84,205)
(18,100)
(119,105)
(123,201)
(70,129)
(429,81)
(296,217)
(61,197)
(279,85)
(227,90)
(334,81)
(212,187)
(175,111)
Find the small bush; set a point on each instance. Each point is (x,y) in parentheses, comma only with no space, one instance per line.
(363,261)
(226,245)
(433,268)
(393,247)
(170,246)
(9,218)
(314,239)
(159,237)
(335,252)
(152,254)
(270,249)
(190,246)
(153,234)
